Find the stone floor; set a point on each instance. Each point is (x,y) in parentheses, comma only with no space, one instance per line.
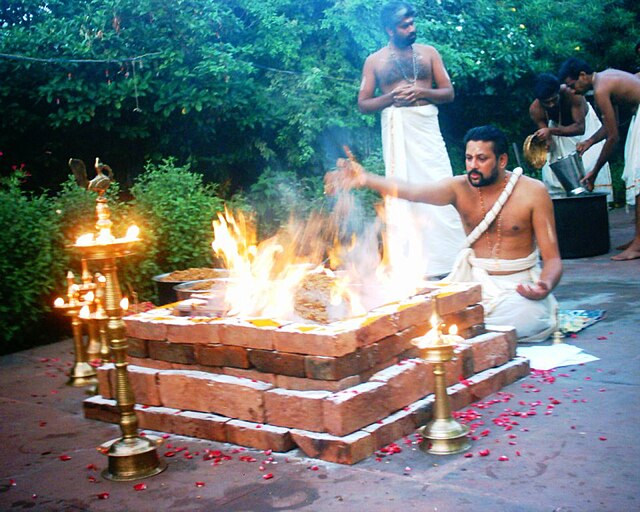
(573,450)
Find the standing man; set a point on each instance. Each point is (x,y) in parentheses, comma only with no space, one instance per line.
(509,222)
(611,87)
(412,80)
(563,120)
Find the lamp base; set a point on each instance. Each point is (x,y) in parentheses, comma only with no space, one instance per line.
(444,437)
(81,375)
(131,459)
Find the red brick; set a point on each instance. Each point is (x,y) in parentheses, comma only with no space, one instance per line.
(515,369)
(391,428)
(460,396)
(457,296)
(172,352)
(222,355)
(137,347)
(356,407)
(150,363)
(415,311)
(253,375)
(375,326)
(221,394)
(461,366)
(194,330)
(464,318)
(280,363)
(200,425)
(143,385)
(146,328)
(393,345)
(406,382)
(300,384)
(156,418)
(486,383)
(336,339)
(342,450)
(295,409)
(489,350)
(473,331)
(422,410)
(336,368)
(511,336)
(101,409)
(262,437)
(242,333)
(104,380)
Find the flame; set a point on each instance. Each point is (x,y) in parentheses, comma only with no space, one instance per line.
(85,312)
(86,239)
(58,303)
(132,233)
(453,330)
(432,337)
(89,297)
(124,303)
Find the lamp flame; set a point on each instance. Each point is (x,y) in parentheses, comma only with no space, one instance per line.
(85,312)
(132,232)
(124,303)
(58,303)
(86,239)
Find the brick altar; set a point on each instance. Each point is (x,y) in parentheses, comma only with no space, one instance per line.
(338,392)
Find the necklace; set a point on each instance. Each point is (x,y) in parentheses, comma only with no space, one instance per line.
(414,60)
(494,250)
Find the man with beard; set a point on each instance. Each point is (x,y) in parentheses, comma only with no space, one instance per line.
(412,80)
(509,222)
(563,120)
(611,88)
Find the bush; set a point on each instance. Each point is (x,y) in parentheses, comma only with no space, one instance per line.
(31,259)
(174,210)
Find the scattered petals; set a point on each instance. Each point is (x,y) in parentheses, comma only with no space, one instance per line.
(268,476)
(602,438)
(140,487)
(103,496)
(200,484)
(484,453)
(314,468)
(503,458)
(65,457)
(468,455)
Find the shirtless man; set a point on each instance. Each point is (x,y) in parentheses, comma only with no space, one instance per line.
(503,257)
(611,88)
(412,80)
(563,120)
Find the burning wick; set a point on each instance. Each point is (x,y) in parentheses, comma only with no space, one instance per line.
(58,303)
(85,312)
(86,239)
(124,303)
(132,232)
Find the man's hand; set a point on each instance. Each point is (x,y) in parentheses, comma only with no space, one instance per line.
(348,174)
(534,291)
(545,135)
(405,95)
(589,181)
(582,147)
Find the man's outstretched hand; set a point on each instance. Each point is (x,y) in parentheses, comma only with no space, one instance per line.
(348,174)
(534,291)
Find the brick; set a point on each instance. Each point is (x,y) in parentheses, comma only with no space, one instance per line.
(393,345)
(156,418)
(200,425)
(221,394)
(288,382)
(457,296)
(101,409)
(222,355)
(295,409)
(489,350)
(336,339)
(137,347)
(145,329)
(143,385)
(515,369)
(150,363)
(486,383)
(172,352)
(391,428)
(460,396)
(415,311)
(356,407)
(253,375)
(240,333)
(194,330)
(473,331)
(464,318)
(376,325)
(510,334)
(461,366)
(342,450)
(336,368)
(281,363)
(103,374)
(405,382)
(422,410)
(262,437)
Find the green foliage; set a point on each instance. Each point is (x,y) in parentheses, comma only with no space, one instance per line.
(174,209)
(30,260)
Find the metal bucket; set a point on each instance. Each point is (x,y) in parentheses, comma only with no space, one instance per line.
(569,170)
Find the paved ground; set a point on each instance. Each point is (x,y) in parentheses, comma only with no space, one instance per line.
(575,450)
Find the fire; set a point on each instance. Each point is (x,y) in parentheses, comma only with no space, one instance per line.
(58,303)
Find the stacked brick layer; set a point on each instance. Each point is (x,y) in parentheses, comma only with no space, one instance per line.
(338,392)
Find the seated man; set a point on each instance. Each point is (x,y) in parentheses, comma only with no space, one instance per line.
(508,219)
(564,120)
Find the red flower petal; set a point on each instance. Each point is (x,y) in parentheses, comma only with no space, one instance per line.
(140,487)
(92,467)
(503,458)
(12,482)
(602,438)
(169,454)
(468,455)
(65,457)
(268,476)
(200,484)
(484,453)
(103,496)
(314,468)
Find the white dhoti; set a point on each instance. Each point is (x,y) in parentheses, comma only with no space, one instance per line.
(534,320)
(562,146)
(421,235)
(631,173)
